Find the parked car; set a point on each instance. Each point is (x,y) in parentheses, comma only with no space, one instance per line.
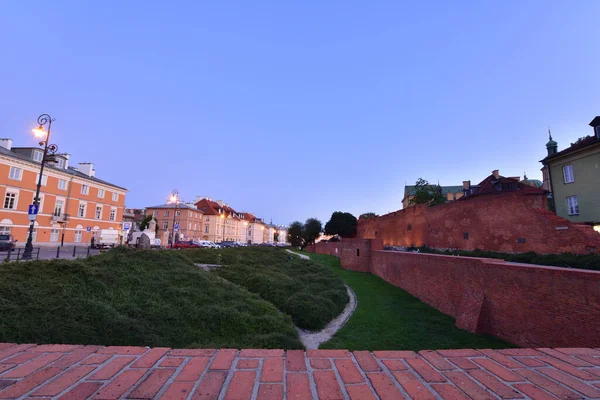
(185,244)
(229,243)
(208,244)
(7,242)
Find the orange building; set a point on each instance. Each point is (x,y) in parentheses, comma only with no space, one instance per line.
(74,204)
(188,219)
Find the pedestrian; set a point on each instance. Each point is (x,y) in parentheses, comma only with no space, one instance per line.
(92,242)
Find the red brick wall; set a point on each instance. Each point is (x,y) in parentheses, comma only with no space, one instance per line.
(529,305)
(355,254)
(493,222)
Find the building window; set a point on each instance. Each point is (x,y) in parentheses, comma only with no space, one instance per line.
(4,230)
(568,174)
(100,193)
(207,219)
(85,189)
(10,200)
(166,213)
(155,213)
(177,213)
(37,156)
(54,235)
(113,214)
(62,184)
(189,226)
(98,212)
(166,225)
(58,207)
(194,226)
(78,235)
(40,202)
(44,179)
(206,229)
(573,205)
(61,163)
(15,173)
(81,211)
(115,197)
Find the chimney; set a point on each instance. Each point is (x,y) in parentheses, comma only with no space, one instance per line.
(6,143)
(220,202)
(466,185)
(66,156)
(594,124)
(87,168)
(496,173)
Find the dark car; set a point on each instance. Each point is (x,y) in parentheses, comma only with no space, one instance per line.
(228,244)
(7,242)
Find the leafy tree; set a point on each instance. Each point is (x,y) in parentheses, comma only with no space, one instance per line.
(427,194)
(368,215)
(342,224)
(146,221)
(312,230)
(294,233)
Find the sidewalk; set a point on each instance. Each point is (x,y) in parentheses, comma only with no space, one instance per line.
(77,372)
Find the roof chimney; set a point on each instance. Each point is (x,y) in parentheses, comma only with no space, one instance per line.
(87,168)
(466,185)
(6,143)
(496,173)
(596,125)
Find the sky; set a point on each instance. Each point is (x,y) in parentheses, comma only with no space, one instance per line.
(296,109)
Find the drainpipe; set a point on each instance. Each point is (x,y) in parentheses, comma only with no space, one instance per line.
(62,239)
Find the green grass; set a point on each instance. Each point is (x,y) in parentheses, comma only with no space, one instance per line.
(310,294)
(389,318)
(134,297)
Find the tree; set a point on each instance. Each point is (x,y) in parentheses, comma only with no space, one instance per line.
(312,230)
(146,221)
(427,194)
(342,224)
(368,215)
(294,233)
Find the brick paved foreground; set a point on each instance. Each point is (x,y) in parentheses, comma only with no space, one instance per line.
(78,372)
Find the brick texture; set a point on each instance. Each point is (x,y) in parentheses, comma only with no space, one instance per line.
(133,373)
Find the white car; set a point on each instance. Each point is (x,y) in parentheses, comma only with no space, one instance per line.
(208,244)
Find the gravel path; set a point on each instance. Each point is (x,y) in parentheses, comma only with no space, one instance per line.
(302,256)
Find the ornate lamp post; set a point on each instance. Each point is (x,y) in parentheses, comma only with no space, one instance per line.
(224,223)
(174,199)
(49,150)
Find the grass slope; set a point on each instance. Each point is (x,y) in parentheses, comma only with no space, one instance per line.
(134,297)
(311,294)
(389,318)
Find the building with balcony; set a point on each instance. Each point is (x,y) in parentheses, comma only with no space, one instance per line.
(74,203)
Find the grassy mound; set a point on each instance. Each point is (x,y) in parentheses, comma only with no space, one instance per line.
(310,293)
(134,297)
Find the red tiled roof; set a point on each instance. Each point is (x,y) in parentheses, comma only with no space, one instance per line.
(580,144)
(489,186)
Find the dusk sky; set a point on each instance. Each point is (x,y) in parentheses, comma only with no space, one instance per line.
(297,109)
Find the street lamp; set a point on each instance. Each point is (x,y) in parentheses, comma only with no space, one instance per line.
(223,218)
(40,133)
(174,199)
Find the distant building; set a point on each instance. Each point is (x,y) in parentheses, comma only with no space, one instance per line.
(573,177)
(451,193)
(187,218)
(134,216)
(498,184)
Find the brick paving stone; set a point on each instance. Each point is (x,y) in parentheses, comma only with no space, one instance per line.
(501,358)
(152,384)
(571,382)
(574,351)
(20,358)
(530,361)
(150,358)
(563,357)
(395,365)
(449,392)
(366,361)
(12,350)
(23,386)
(95,359)
(327,385)
(415,388)
(193,369)
(569,369)
(426,371)
(521,352)
(55,387)
(328,353)
(590,359)
(6,367)
(58,348)
(498,370)
(533,391)
(171,362)
(270,391)
(178,391)
(436,359)
(76,356)
(121,384)
(360,392)
(463,363)
(6,345)
(4,383)
(123,350)
(193,352)
(348,371)
(112,368)
(241,385)
(247,363)
(210,386)
(259,353)
(460,353)
(224,359)
(272,370)
(31,366)
(384,386)
(297,386)
(320,364)
(467,385)
(492,383)
(81,391)
(295,360)
(546,384)
(394,354)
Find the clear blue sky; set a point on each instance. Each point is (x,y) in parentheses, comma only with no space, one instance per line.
(294,109)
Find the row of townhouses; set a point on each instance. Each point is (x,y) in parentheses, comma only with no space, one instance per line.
(213,220)
(74,204)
